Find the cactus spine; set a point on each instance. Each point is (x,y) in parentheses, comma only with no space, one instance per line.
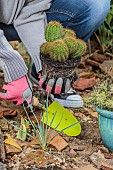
(54,30)
(59,51)
(45,48)
(71,43)
(69,32)
(80,50)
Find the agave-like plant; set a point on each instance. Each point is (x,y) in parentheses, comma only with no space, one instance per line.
(42,130)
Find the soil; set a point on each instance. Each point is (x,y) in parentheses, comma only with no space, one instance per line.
(78,155)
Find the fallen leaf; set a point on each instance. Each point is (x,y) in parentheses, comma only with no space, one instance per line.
(7,112)
(86,74)
(11,141)
(35,141)
(11,149)
(3,124)
(2,148)
(22,134)
(84,83)
(99,57)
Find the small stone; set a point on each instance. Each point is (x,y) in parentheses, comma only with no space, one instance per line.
(72,152)
(2,167)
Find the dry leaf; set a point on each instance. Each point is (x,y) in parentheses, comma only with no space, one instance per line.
(3,124)
(11,149)
(84,83)
(7,112)
(22,135)
(2,149)
(11,141)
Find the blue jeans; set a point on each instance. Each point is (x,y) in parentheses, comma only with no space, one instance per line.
(83,16)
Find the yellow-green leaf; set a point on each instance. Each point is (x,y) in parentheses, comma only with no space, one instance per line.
(11,141)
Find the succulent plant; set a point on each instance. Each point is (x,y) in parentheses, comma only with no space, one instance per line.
(54,30)
(59,51)
(72,43)
(80,50)
(45,48)
(101,96)
(69,32)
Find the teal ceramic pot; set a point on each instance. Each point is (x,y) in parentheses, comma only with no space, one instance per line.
(105,121)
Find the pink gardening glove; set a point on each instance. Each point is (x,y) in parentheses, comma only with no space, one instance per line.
(17,91)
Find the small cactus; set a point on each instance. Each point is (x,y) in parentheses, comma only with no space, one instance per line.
(80,50)
(54,30)
(71,43)
(59,51)
(69,32)
(45,48)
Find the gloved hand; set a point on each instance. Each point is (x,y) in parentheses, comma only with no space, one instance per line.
(18,91)
(54,86)
(51,85)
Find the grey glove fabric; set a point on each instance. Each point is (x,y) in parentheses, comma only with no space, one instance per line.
(30,25)
(29,20)
(11,61)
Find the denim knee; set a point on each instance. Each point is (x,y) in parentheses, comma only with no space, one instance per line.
(83,16)
(98,10)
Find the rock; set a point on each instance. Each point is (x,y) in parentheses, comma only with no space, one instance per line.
(59,143)
(78,147)
(2,167)
(84,83)
(95,157)
(72,152)
(105,164)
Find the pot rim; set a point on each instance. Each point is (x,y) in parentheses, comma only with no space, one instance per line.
(104,113)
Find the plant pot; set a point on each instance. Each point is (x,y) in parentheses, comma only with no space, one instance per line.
(105,121)
(67,69)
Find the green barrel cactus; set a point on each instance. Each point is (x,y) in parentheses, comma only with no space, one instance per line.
(54,30)
(69,32)
(59,51)
(45,48)
(71,43)
(80,50)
